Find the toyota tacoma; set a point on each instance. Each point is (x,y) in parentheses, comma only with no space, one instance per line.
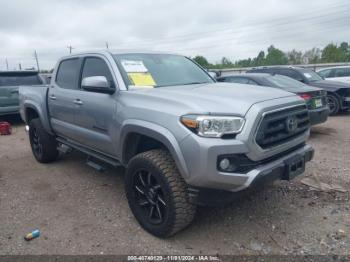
(176,130)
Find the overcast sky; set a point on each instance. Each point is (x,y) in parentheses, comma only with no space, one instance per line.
(235,29)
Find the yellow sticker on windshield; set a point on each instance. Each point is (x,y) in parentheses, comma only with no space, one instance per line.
(142,79)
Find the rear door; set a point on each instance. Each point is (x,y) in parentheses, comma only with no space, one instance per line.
(342,74)
(61,97)
(96,114)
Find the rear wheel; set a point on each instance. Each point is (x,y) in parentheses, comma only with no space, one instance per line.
(44,145)
(157,194)
(333,104)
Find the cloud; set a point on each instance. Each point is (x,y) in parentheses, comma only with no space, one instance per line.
(235,29)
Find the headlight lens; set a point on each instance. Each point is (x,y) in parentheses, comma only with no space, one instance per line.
(213,126)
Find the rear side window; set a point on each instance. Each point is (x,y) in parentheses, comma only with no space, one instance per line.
(19,79)
(94,66)
(325,73)
(68,73)
(341,72)
(260,70)
(290,73)
(239,80)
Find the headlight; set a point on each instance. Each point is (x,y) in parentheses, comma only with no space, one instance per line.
(213,126)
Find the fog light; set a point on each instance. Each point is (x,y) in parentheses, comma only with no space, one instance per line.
(224,164)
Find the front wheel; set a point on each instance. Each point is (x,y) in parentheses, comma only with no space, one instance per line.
(157,194)
(44,145)
(333,104)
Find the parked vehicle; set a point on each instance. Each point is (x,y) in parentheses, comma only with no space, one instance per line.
(9,83)
(179,133)
(339,73)
(314,97)
(338,93)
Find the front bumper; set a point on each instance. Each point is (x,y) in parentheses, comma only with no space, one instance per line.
(319,116)
(205,174)
(9,110)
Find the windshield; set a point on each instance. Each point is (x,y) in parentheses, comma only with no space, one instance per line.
(160,70)
(310,75)
(19,79)
(284,82)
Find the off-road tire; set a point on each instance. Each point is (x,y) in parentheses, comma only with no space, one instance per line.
(179,211)
(38,137)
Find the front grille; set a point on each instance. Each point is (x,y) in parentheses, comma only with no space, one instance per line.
(282,126)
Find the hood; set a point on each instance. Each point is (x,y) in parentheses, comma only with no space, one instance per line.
(214,98)
(330,85)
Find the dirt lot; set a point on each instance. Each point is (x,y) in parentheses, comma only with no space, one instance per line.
(82,211)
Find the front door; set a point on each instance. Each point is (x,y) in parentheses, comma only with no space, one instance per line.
(95,113)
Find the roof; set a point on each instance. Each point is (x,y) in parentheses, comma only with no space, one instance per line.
(278,66)
(119,52)
(19,72)
(333,67)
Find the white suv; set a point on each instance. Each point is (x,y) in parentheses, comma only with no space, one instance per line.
(339,73)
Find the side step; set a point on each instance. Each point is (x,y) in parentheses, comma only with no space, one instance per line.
(89,152)
(91,163)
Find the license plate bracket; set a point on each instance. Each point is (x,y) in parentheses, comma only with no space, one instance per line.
(294,166)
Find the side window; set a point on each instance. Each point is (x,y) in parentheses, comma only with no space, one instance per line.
(239,80)
(252,82)
(94,66)
(68,73)
(290,73)
(221,79)
(341,72)
(325,73)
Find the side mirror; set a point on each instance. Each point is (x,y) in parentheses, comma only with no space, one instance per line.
(97,84)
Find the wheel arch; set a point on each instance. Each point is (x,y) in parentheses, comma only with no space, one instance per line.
(139,136)
(32,111)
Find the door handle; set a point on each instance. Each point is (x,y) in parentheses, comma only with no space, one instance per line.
(78,102)
(52,97)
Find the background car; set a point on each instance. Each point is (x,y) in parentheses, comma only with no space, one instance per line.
(314,97)
(9,83)
(338,93)
(339,73)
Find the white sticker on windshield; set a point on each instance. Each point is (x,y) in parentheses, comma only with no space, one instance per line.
(134,66)
(307,75)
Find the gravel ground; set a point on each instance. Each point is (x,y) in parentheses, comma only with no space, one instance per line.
(82,211)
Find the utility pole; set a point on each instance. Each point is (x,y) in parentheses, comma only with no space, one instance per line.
(70,48)
(7,64)
(37,61)
(107,45)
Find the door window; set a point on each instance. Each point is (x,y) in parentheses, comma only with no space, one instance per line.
(341,72)
(94,66)
(68,73)
(240,80)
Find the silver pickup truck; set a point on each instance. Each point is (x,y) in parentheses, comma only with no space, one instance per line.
(178,132)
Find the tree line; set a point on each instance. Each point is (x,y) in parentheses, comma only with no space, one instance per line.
(274,56)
